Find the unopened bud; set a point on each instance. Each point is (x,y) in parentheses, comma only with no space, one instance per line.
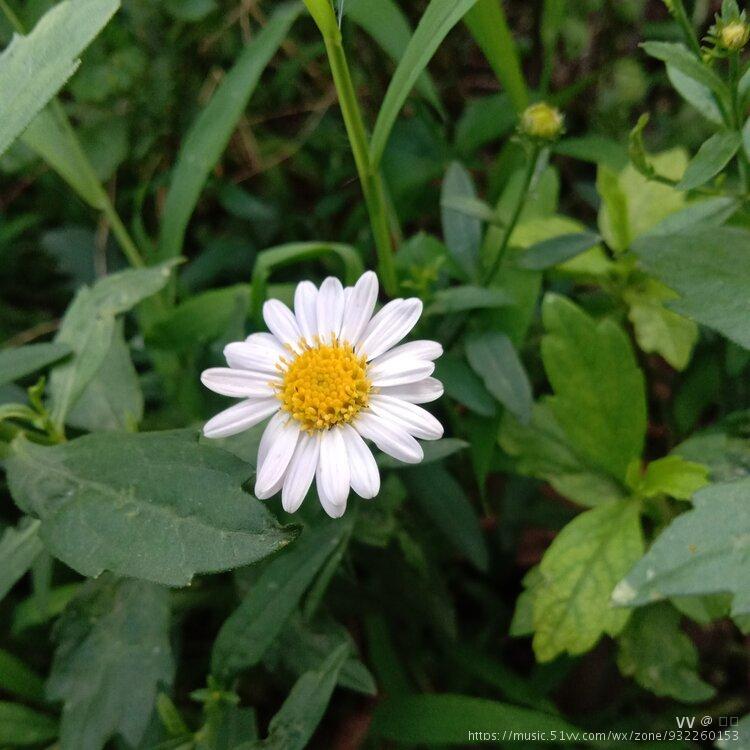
(734,36)
(542,121)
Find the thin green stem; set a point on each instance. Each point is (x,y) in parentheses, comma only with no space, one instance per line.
(743,166)
(511,225)
(677,9)
(10,14)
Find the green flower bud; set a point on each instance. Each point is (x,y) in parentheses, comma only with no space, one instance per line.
(734,36)
(541,121)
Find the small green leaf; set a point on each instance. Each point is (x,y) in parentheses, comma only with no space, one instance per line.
(25,360)
(109,501)
(462,298)
(703,551)
(252,627)
(493,357)
(17,679)
(462,233)
(579,570)
(660,657)
(713,155)
(695,93)
(557,250)
(113,652)
(464,385)
(673,476)
(19,547)
(20,726)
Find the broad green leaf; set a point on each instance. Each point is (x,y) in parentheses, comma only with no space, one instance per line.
(711,211)
(211,131)
(724,449)
(579,570)
(252,627)
(673,476)
(707,267)
(113,652)
(484,120)
(713,155)
(386,23)
(439,18)
(659,330)
(552,252)
(703,551)
(466,297)
(444,502)
(25,360)
(493,357)
(655,652)
(464,385)
(695,93)
(112,399)
(542,450)
(199,320)
(109,501)
(632,204)
(435,450)
(462,233)
(600,400)
(19,547)
(21,726)
(89,325)
(489,27)
(293,726)
(33,68)
(596,149)
(17,679)
(447,719)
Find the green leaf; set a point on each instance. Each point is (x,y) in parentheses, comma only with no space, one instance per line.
(464,385)
(113,652)
(252,627)
(711,211)
(466,297)
(19,547)
(199,320)
(695,93)
(493,357)
(20,726)
(293,726)
(596,149)
(17,679)
(713,155)
(707,267)
(579,570)
(482,121)
(557,250)
(439,18)
(673,476)
(112,399)
(35,67)
(600,400)
(522,623)
(724,449)
(212,129)
(659,330)
(444,502)
(25,360)
(109,501)
(660,657)
(386,23)
(742,739)
(89,325)
(703,551)
(542,450)
(448,719)
(39,609)
(462,233)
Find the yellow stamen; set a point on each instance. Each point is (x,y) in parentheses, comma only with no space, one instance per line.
(324,386)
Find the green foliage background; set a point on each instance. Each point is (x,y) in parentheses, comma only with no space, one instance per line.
(574,555)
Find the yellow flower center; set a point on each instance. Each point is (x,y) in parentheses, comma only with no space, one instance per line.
(324,386)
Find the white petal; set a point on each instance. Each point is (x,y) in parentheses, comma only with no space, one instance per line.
(414,419)
(333,510)
(359,307)
(281,322)
(240,417)
(365,477)
(238,383)
(276,461)
(330,308)
(389,326)
(390,438)
(332,476)
(259,352)
(399,370)
(421,392)
(305,301)
(422,349)
(301,471)
(268,438)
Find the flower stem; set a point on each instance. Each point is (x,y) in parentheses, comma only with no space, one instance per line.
(743,166)
(677,8)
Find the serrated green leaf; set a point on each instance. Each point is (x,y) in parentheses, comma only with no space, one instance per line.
(660,657)
(713,155)
(20,726)
(571,605)
(593,372)
(19,547)
(113,652)
(158,506)
(25,360)
(703,551)
(33,68)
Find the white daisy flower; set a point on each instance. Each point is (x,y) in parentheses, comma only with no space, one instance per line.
(329,375)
